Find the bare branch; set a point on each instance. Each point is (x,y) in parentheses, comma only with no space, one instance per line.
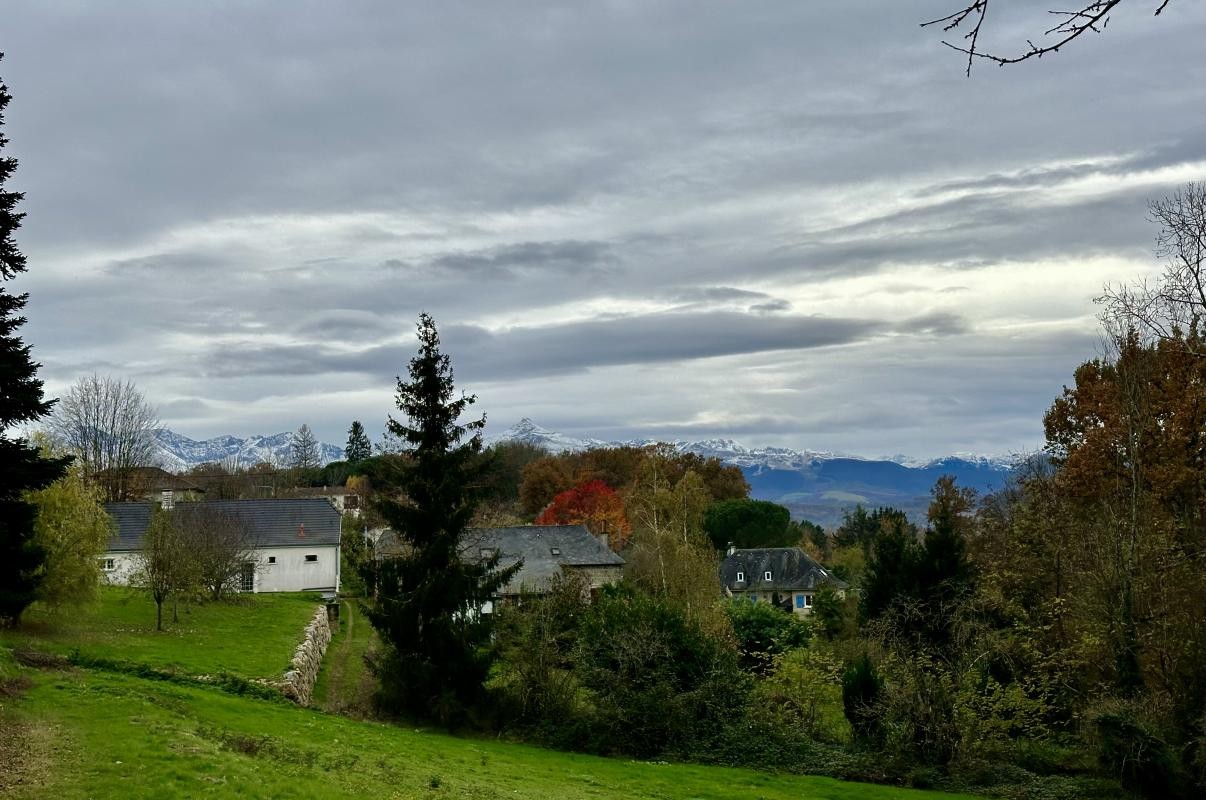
(1090,17)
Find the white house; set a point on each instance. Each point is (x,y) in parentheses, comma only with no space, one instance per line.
(296,542)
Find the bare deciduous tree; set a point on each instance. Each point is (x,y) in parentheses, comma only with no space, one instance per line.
(163,566)
(1172,307)
(108,424)
(1070,24)
(220,546)
(303,450)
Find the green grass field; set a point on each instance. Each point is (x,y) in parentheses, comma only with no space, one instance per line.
(87,733)
(252,636)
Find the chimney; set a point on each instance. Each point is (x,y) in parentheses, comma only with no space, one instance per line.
(604,540)
(732,549)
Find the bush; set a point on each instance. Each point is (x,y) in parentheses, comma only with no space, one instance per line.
(764,631)
(1129,747)
(804,694)
(861,696)
(657,682)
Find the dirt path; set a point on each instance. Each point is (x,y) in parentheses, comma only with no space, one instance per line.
(345,687)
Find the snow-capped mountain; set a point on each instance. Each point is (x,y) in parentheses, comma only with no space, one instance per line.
(178,453)
(816,485)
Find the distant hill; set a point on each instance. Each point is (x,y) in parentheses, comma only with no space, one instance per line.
(815,485)
(178,453)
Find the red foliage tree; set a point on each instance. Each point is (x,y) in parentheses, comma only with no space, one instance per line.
(593,504)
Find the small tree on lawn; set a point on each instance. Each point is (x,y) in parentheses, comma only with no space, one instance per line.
(427,601)
(163,567)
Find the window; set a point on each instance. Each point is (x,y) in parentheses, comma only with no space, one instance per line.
(271,559)
(753,597)
(741,577)
(799,601)
(108,564)
(555,550)
(247,577)
(766,576)
(311,559)
(808,600)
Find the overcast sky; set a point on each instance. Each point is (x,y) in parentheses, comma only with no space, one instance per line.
(790,223)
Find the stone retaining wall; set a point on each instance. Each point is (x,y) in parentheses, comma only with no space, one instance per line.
(298,682)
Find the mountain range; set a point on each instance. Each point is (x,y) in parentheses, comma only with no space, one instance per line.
(816,485)
(178,453)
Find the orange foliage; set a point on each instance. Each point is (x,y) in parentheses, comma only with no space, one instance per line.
(593,504)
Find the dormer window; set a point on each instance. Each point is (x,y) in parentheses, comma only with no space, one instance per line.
(741,577)
(766,576)
(555,551)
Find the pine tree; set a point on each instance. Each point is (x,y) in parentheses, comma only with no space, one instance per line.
(21,402)
(359,447)
(427,602)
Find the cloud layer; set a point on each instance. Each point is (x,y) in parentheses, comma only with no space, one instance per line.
(794,224)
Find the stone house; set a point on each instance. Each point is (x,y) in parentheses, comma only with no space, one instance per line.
(547,551)
(784,576)
(295,542)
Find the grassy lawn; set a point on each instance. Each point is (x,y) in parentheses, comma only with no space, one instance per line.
(344,685)
(90,734)
(251,635)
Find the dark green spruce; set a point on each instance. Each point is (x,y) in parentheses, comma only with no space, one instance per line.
(21,402)
(425,602)
(359,447)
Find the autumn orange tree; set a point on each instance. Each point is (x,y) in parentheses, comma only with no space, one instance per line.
(593,504)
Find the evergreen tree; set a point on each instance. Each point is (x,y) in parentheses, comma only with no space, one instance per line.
(426,604)
(359,447)
(944,574)
(22,468)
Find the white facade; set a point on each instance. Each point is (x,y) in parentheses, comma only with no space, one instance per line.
(277,569)
(297,569)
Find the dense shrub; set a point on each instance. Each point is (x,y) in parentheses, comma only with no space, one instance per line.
(1131,749)
(764,631)
(656,681)
(861,695)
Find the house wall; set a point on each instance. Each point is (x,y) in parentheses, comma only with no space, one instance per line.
(764,596)
(597,577)
(290,572)
(124,565)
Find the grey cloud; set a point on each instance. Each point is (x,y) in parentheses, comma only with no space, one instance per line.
(557,349)
(937,323)
(512,260)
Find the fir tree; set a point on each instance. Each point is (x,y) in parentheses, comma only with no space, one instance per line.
(427,602)
(21,402)
(359,447)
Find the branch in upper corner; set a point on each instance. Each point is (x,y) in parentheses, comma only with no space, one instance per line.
(1092,16)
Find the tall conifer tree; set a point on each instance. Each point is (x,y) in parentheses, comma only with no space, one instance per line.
(359,447)
(21,401)
(427,602)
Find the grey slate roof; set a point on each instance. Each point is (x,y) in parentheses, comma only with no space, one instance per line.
(273,523)
(790,568)
(545,550)
(535,544)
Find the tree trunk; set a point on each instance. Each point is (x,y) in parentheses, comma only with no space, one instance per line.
(158,614)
